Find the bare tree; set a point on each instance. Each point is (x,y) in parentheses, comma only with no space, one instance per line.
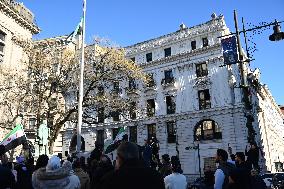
(48,86)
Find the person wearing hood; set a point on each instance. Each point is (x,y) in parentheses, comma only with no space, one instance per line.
(81,174)
(53,176)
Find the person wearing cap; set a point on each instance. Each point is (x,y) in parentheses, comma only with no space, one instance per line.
(53,176)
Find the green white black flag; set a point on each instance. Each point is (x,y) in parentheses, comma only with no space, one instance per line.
(14,138)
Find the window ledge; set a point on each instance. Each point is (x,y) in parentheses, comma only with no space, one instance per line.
(209,141)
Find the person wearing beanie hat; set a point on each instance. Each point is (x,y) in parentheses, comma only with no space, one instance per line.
(55,176)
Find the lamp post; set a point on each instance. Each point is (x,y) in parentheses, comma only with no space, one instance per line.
(276,36)
(198,154)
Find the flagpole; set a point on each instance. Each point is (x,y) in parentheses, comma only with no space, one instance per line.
(81,84)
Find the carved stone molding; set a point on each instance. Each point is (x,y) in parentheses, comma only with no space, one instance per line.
(202,83)
(210,26)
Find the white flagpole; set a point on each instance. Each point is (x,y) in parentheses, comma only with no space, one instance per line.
(81,84)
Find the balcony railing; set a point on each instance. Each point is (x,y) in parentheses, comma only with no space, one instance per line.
(168,81)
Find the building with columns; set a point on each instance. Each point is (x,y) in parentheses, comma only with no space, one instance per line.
(191,100)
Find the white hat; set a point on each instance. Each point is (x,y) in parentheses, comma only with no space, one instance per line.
(53,164)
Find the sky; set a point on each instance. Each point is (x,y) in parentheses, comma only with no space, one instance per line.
(127,22)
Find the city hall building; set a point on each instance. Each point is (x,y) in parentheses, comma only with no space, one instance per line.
(192,100)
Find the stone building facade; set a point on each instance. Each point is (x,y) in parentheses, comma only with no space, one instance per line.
(16,25)
(193,100)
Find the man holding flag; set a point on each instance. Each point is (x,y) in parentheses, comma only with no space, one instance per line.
(14,138)
(121,136)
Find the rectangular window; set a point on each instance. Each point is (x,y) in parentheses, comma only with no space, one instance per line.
(116,87)
(150,107)
(133,134)
(115,116)
(201,70)
(114,132)
(171,105)
(168,52)
(205,42)
(132,83)
(150,80)
(169,77)
(2,36)
(100,136)
(133,59)
(171,130)
(132,110)
(2,45)
(101,115)
(32,123)
(101,90)
(149,57)
(204,99)
(151,128)
(193,45)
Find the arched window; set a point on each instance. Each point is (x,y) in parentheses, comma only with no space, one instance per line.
(207,130)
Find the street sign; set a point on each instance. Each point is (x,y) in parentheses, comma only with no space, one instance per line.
(191,148)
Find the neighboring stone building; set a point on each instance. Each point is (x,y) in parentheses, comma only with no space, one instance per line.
(191,100)
(16,25)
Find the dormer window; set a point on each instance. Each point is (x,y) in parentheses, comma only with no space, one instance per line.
(205,41)
(193,45)
(148,57)
(168,52)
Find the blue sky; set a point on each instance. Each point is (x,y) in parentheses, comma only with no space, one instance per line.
(130,21)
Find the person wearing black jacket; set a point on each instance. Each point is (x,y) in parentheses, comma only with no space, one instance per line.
(131,172)
(253,156)
(7,179)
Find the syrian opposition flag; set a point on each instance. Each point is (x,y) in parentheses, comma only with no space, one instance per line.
(14,138)
(77,31)
(116,142)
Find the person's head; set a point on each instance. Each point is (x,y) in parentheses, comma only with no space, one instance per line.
(146,141)
(221,156)
(53,164)
(233,157)
(165,158)
(176,166)
(253,145)
(240,157)
(2,150)
(76,163)
(82,160)
(105,160)
(126,151)
(253,172)
(41,161)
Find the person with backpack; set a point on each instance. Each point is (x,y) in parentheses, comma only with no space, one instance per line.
(223,171)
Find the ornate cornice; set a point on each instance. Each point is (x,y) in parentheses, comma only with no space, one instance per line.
(15,11)
(211,26)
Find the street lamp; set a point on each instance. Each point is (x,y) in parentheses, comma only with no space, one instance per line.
(277,35)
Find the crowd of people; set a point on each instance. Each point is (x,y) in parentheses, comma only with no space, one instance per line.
(135,167)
